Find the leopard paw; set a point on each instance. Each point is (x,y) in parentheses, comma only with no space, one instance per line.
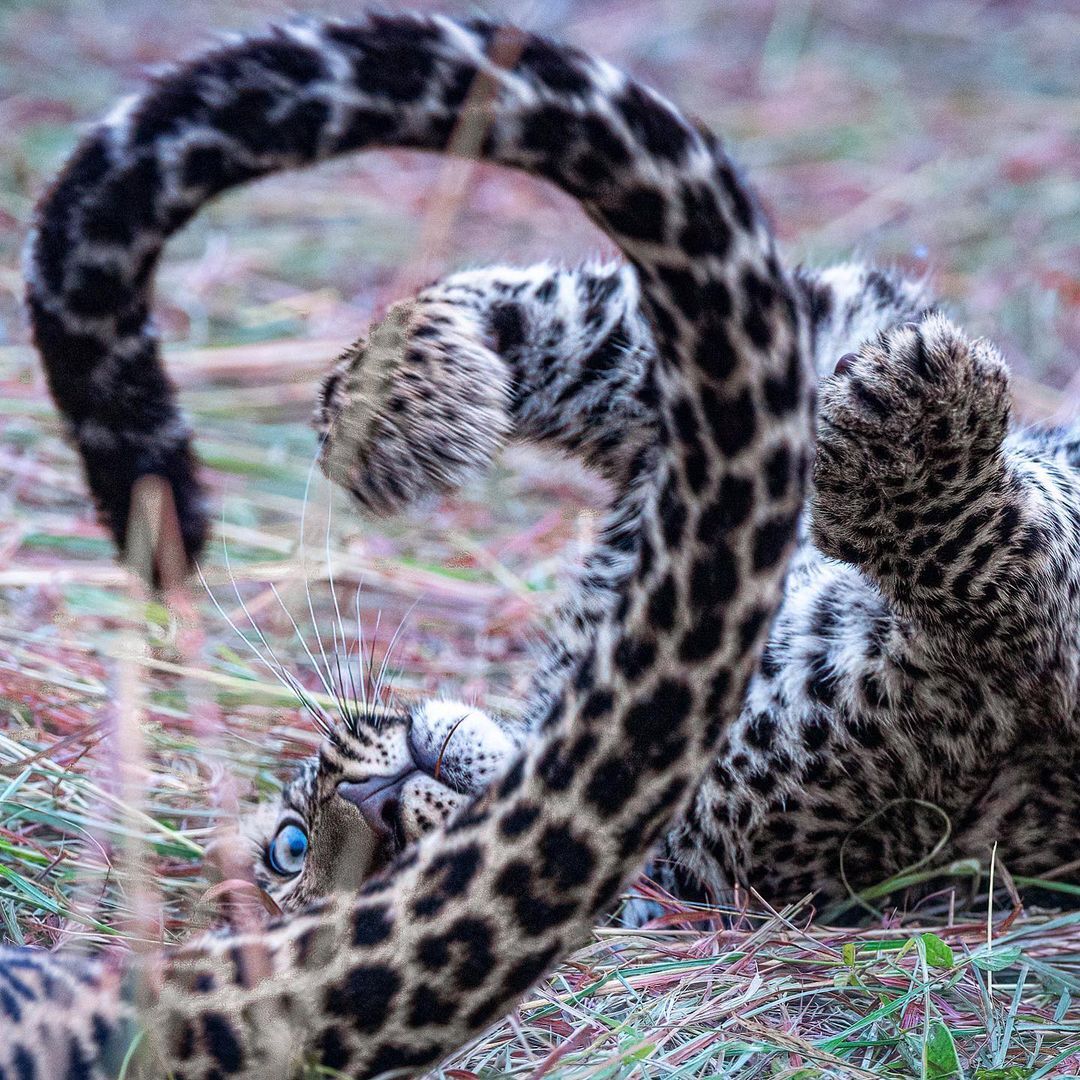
(414,410)
(906,423)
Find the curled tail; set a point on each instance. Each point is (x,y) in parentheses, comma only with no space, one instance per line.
(295,96)
(462,924)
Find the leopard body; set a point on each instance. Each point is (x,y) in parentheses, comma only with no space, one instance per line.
(917,696)
(455,929)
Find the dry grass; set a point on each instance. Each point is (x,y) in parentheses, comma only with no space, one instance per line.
(935,134)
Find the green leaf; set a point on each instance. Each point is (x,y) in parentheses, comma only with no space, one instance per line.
(997,960)
(939,1052)
(849,953)
(938,953)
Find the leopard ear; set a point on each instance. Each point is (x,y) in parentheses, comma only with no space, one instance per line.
(415,410)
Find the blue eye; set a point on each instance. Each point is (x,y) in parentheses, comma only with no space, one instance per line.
(287,850)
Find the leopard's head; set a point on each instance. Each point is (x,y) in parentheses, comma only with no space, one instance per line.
(376,786)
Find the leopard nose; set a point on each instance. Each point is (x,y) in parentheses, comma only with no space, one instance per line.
(844,364)
(377,800)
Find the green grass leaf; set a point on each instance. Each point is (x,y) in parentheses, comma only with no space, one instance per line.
(939,1051)
(938,952)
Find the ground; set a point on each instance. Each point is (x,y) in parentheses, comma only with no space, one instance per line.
(942,136)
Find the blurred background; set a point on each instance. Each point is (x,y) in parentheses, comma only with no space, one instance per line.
(939,135)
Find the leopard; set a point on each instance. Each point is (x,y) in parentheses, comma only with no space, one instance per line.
(915,703)
(451,932)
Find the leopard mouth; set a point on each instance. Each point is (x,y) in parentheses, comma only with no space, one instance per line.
(378,800)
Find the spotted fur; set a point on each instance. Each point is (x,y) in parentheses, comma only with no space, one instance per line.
(918,694)
(464,922)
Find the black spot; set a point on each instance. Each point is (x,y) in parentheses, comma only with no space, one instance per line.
(683,288)
(454,870)
(731,509)
(186,1043)
(470,939)
(821,685)
(23,1062)
(662,602)
(750,627)
(607,354)
(782,393)
(714,353)
(289,59)
(705,232)
(738,193)
(660,130)
(868,398)
(366,127)
(761,731)
(599,703)
(433,952)
(815,732)
(703,638)
(94,290)
(866,732)
(386,56)
(9,1005)
(221,1042)
(778,472)
(566,861)
(640,216)
(714,579)
(244,116)
(392,1056)
(527,970)
(555,768)
(101,1031)
(547,129)
(762,782)
(556,66)
(771,540)
(333,1050)
(518,820)
(126,203)
(654,725)
(873,691)
(173,103)
(513,879)
(644,827)
(733,421)
(363,996)
(634,656)
(672,514)
(79,1067)
(508,325)
(611,786)
(212,169)
(534,914)
(512,780)
(429,1007)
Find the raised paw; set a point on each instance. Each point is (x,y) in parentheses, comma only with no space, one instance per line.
(909,425)
(414,409)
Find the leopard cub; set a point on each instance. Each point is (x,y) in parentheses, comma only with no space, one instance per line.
(920,680)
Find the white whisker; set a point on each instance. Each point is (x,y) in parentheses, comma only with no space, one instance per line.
(276,669)
(326,679)
(390,648)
